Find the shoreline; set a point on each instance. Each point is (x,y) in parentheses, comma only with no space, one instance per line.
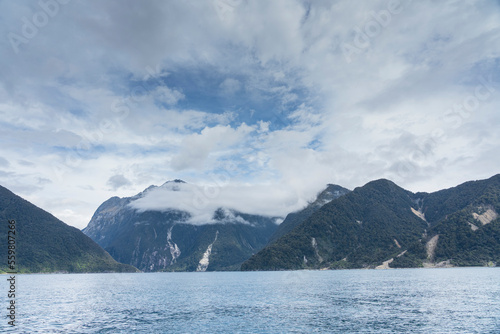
(440,265)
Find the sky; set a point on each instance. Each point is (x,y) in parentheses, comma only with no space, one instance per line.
(256,104)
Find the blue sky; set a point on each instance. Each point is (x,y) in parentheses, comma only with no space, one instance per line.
(244,98)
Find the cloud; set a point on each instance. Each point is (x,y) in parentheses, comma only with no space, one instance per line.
(118,181)
(26,163)
(201,201)
(229,87)
(134,88)
(196,148)
(4,162)
(167,96)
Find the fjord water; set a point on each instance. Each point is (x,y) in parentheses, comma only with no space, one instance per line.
(456,300)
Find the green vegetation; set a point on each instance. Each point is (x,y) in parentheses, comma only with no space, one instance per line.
(360,230)
(413,258)
(296,218)
(464,240)
(45,244)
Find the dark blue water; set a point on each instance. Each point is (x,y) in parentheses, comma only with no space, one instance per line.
(457,300)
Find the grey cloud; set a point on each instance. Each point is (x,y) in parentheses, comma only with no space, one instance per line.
(118,181)
(4,174)
(230,86)
(26,163)
(43,181)
(4,162)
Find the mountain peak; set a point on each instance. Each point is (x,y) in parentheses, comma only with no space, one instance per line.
(331,192)
(149,188)
(173,184)
(382,185)
(331,186)
(176,181)
(381,182)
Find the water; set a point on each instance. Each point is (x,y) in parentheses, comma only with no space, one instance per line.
(457,300)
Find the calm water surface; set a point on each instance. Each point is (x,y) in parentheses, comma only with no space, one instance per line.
(457,300)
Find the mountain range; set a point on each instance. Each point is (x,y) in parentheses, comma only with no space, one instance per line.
(382,225)
(378,225)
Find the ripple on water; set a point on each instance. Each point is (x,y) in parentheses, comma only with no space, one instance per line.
(458,300)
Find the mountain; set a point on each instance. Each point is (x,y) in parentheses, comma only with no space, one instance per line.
(363,227)
(293,219)
(464,224)
(382,225)
(166,240)
(46,244)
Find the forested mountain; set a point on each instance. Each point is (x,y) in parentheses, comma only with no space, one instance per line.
(165,240)
(465,226)
(45,244)
(293,219)
(381,224)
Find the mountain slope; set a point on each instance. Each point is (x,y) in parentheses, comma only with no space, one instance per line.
(166,240)
(360,229)
(296,218)
(436,206)
(46,244)
(465,224)
(381,222)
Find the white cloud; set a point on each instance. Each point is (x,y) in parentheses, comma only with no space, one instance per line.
(201,201)
(166,95)
(195,149)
